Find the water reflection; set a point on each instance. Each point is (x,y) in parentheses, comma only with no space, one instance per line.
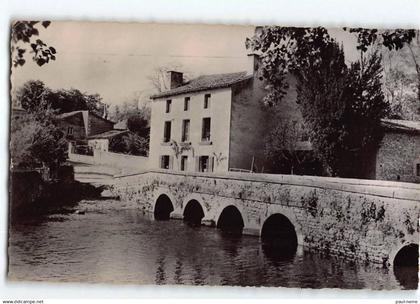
(123,246)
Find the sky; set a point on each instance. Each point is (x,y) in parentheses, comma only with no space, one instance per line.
(115,59)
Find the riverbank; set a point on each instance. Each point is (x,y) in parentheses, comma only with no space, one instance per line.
(31,195)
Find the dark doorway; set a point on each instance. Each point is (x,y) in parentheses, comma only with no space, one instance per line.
(193,213)
(279,239)
(230,221)
(406,266)
(163,208)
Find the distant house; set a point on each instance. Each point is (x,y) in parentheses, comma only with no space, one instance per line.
(79,125)
(398,156)
(101,141)
(213,122)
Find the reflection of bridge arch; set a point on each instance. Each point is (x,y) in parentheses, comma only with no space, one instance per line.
(231,220)
(163,208)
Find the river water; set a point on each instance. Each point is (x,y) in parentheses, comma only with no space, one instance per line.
(112,242)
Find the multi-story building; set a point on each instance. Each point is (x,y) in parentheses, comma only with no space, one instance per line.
(212,123)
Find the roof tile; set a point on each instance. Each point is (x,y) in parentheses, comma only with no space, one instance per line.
(205,82)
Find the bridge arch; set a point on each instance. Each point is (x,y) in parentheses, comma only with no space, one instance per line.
(193,212)
(163,207)
(406,265)
(279,237)
(407,255)
(231,220)
(287,214)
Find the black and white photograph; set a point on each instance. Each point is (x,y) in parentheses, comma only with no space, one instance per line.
(152,153)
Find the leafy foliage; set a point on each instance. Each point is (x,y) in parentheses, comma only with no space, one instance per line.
(285,50)
(341,106)
(282,148)
(136,119)
(23,33)
(36,141)
(73,100)
(392,39)
(139,124)
(34,96)
(129,143)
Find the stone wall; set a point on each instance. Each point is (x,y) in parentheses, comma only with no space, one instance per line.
(358,219)
(110,159)
(396,156)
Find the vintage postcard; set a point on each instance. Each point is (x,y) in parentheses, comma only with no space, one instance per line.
(191,154)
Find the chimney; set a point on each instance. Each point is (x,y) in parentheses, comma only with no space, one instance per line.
(253,64)
(175,79)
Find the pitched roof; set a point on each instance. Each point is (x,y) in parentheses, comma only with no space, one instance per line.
(205,82)
(108,134)
(68,114)
(411,126)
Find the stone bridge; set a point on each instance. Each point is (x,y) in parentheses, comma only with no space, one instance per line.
(374,221)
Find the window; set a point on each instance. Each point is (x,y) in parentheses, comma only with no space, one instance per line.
(165,162)
(167,132)
(168,105)
(186,103)
(418,169)
(185,130)
(205,133)
(70,131)
(205,164)
(184,160)
(207,101)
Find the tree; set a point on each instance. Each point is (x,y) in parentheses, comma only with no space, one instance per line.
(34,96)
(138,124)
(283,149)
(129,143)
(400,92)
(22,33)
(285,50)
(36,141)
(341,107)
(73,100)
(393,40)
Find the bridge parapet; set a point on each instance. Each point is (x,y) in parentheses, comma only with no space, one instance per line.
(359,219)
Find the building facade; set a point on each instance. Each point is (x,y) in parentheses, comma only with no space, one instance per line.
(79,125)
(214,123)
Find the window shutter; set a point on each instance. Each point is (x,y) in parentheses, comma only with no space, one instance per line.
(171,162)
(197,163)
(211,164)
(161,162)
